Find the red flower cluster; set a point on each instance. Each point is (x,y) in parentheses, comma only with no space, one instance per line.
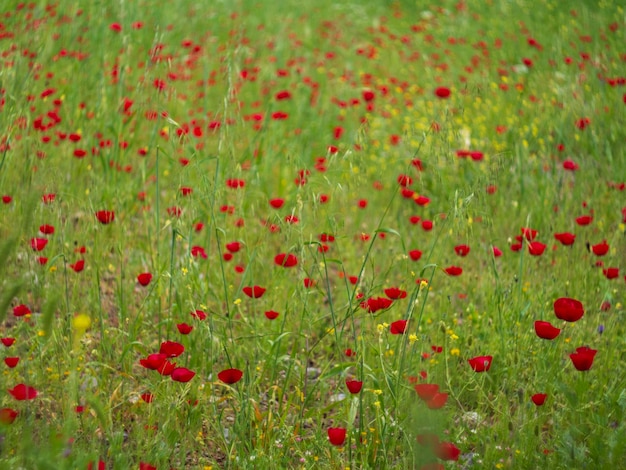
(163,366)
(286,260)
(374,304)
(255,292)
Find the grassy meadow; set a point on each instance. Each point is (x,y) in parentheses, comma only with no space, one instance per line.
(343,235)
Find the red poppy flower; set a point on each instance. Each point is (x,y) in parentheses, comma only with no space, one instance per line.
(78,266)
(426,391)
(233,247)
(453,271)
(8,342)
(567,309)
(144,279)
(153,361)
(199,314)
(166,368)
(536,248)
(184,328)
(337,436)
(394,293)
(354,386)
(368,95)
(447,451)
(565,238)
(570,165)
(286,260)
(147,397)
(23,392)
(7,415)
(349,352)
(101,466)
(437,401)
(255,292)
(171,348)
(398,327)
(38,244)
(545,330)
(584,219)
(277,203)
(21,310)
(582,123)
(529,234)
(480,363)
(308,282)
(271,315)
(422,201)
(146,466)
(496,252)
(11,361)
(442,92)
(46,229)
(198,251)
(283,95)
(462,250)
(407,193)
(415,255)
(600,249)
(427,225)
(48,198)
(230,376)
(7,199)
(105,217)
(611,273)
(539,398)
(583,358)
(374,304)
(182,374)
(405,180)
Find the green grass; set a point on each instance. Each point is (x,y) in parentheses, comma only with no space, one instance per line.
(69,82)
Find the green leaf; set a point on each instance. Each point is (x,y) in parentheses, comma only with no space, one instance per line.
(9,293)
(5,251)
(100,413)
(48,312)
(354,409)
(621,400)
(388,230)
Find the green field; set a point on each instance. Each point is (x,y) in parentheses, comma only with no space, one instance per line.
(312,235)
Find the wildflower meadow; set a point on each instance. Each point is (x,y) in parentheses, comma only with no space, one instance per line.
(327,234)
